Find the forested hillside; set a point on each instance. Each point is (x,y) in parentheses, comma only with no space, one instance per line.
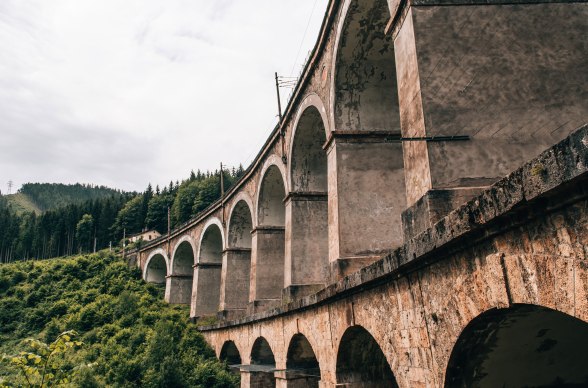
(59,232)
(103,217)
(184,200)
(131,337)
(46,196)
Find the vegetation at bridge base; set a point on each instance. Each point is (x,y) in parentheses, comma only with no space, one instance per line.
(130,336)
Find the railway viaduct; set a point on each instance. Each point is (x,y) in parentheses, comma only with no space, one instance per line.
(419,215)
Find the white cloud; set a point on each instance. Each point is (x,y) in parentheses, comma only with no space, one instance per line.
(126,93)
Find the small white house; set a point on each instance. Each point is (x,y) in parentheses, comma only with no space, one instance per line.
(147,235)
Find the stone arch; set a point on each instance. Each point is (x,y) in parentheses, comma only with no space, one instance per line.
(183,257)
(240,223)
(364,92)
(268,243)
(156,267)
(207,276)
(310,132)
(236,265)
(523,345)
(307,239)
(262,357)
(271,192)
(180,280)
(230,353)
(302,363)
(212,242)
(360,360)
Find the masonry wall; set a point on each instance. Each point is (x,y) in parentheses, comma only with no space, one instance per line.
(524,241)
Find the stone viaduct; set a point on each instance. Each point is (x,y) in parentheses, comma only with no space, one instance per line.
(419,216)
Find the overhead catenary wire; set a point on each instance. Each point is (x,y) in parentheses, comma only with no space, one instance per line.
(303,37)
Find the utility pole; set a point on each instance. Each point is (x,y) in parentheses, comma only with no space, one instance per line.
(278,93)
(222,183)
(124,241)
(168,221)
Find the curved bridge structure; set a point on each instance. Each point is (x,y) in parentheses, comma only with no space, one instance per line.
(418,217)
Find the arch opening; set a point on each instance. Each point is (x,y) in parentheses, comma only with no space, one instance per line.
(361,362)
(270,210)
(366,93)
(307,238)
(308,159)
(263,364)
(207,276)
(183,260)
(179,284)
(230,354)
(524,345)
(211,246)
(267,280)
(241,224)
(236,269)
(302,363)
(156,270)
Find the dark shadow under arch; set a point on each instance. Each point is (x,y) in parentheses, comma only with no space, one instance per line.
(366,93)
(183,260)
(230,354)
(302,363)
(270,205)
(361,362)
(524,345)
(263,364)
(156,270)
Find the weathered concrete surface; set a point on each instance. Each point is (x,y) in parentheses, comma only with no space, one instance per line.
(523,242)
(267,276)
(510,76)
(368,194)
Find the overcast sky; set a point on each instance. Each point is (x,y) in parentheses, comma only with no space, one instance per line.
(123,93)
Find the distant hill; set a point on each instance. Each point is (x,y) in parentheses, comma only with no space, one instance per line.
(40,197)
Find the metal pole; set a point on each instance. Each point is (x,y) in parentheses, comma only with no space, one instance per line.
(278,93)
(168,221)
(222,181)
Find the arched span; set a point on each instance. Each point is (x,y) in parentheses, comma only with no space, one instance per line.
(230,353)
(263,357)
(240,224)
(364,92)
(183,256)
(311,101)
(270,197)
(360,360)
(212,242)
(307,240)
(180,280)
(207,275)
(301,361)
(236,270)
(524,345)
(156,267)
(307,158)
(272,162)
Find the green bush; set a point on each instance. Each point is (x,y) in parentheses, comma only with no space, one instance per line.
(131,337)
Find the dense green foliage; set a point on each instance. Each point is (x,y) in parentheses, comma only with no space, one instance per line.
(184,200)
(130,336)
